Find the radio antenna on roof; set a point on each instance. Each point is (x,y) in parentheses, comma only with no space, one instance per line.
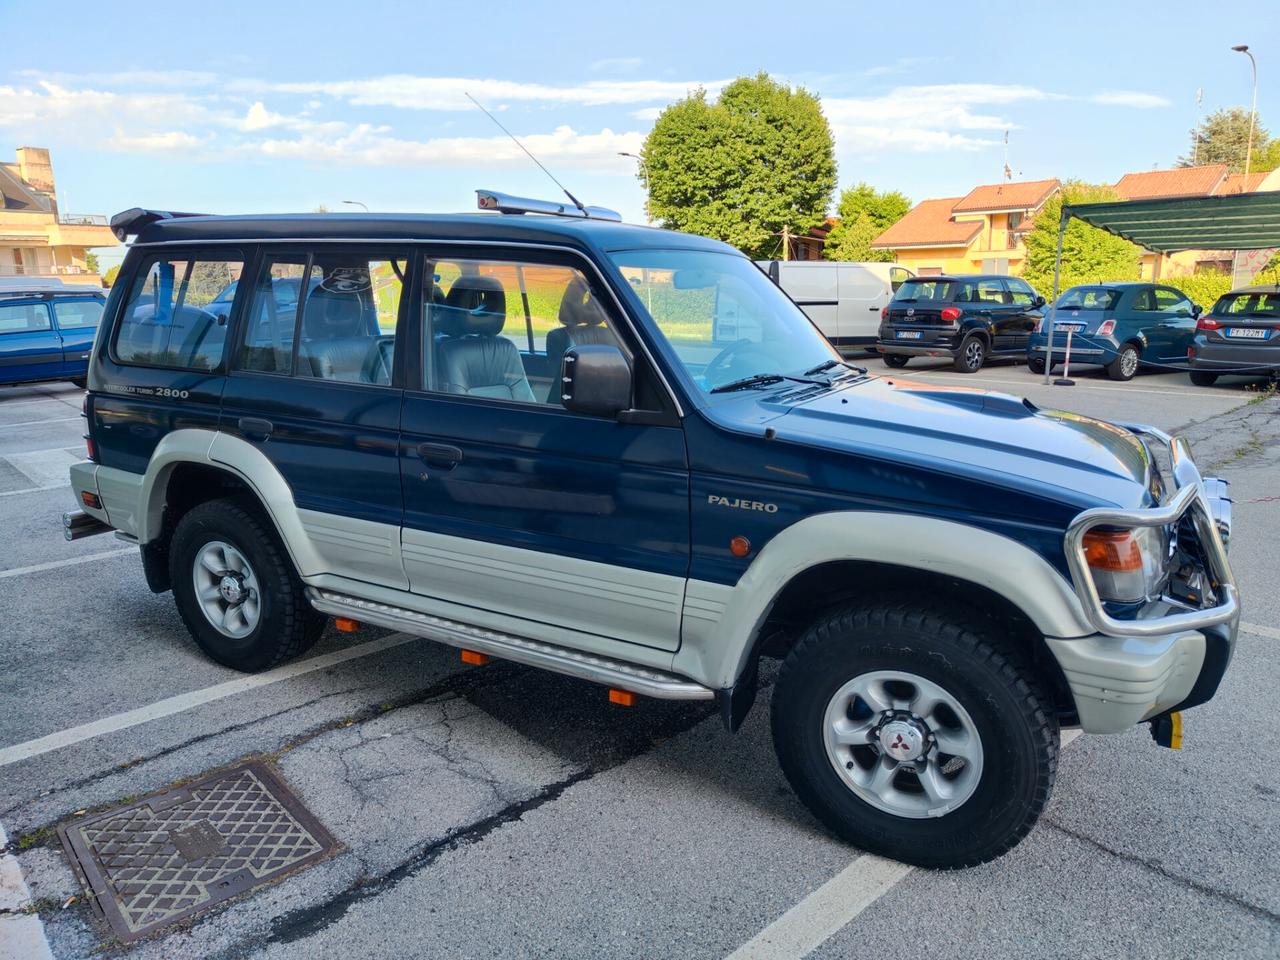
(576,202)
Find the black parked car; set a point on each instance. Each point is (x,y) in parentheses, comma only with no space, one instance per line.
(966,318)
(1240,335)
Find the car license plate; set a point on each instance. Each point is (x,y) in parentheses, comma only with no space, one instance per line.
(1248,333)
(908,334)
(1073,327)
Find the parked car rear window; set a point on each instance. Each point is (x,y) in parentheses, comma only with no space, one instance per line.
(77,313)
(1088,298)
(1265,304)
(922,290)
(170,318)
(24,318)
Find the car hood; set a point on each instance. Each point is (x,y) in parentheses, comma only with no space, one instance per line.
(997,438)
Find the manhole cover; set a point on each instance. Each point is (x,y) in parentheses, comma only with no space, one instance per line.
(150,863)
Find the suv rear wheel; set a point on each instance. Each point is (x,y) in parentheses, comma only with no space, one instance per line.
(972,354)
(896,360)
(911,735)
(236,590)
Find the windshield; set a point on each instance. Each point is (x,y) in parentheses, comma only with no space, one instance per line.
(922,290)
(1088,298)
(1257,303)
(722,317)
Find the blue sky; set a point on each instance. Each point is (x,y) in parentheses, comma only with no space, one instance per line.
(272,106)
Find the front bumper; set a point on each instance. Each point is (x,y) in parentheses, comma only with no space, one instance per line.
(1170,656)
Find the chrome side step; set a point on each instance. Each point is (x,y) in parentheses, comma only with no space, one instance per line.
(533,653)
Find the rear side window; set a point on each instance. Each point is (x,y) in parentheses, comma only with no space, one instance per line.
(77,313)
(24,318)
(330,315)
(175,315)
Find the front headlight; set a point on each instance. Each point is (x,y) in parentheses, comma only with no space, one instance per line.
(1128,565)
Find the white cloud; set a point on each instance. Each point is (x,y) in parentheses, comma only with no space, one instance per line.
(411,92)
(171,141)
(1129,98)
(48,104)
(259,117)
(647,113)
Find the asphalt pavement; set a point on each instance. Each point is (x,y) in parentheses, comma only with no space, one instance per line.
(500,811)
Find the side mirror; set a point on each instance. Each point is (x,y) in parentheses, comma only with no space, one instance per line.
(1196,310)
(1039,302)
(595,379)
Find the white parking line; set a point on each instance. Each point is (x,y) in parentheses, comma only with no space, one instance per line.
(68,562)
(833,906)
(51,486)
(45,467)
(32,423)
(1261,630)
(188,701)
(21,934)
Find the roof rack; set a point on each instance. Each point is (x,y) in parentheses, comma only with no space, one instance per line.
(505,203)
(129,223)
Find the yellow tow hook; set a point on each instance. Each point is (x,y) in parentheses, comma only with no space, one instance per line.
(1166,730)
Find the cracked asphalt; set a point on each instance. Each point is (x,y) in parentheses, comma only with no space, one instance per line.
(499,811)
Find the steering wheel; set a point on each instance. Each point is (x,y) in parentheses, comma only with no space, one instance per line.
(731,362)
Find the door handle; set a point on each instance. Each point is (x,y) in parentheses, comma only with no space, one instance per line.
(440,454)
(253,427)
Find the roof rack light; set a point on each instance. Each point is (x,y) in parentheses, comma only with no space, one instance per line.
(505,203)
(129,223)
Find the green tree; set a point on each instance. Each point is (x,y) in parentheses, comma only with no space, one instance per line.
(109,278)
(742,168)
(91,261)
(1223,137)
(864,213)
(1089,255)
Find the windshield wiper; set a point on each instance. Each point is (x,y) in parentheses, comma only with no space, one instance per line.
(763,379)
(828,364)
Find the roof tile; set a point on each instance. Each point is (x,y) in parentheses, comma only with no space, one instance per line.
(1179,182)
(1027,195)
(929,223)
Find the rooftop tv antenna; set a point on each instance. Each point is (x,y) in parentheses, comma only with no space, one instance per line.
(576,202)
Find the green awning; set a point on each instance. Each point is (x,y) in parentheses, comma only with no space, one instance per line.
(1244,221)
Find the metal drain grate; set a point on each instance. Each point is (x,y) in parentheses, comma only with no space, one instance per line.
(151,863)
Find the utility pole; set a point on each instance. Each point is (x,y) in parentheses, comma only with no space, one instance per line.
(786,242)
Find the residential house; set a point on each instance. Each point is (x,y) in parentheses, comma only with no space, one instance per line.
(36,238)
(981,232)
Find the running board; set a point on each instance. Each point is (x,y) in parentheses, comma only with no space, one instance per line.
(533,653)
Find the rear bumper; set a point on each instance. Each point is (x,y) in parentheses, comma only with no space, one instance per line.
(84,479)
(1085,348)
(939,347)
(1247,358)
(1119,681)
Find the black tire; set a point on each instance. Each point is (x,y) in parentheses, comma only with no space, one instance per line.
(971,355)
(1125,365)
(895,360)
(287,624)
(1017,729)
(1202,378)
(81,382)
(1036,365)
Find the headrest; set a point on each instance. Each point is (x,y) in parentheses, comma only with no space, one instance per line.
(475,306)
(578,308)
(332,313)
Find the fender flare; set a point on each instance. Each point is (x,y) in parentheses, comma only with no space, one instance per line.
(243,460)
(722,654)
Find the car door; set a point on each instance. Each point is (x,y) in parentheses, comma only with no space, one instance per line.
(30,347)
(76,319)
(1025,316)
(521,515)
(1176,327)
(312,388)
(991,304)
(863,294)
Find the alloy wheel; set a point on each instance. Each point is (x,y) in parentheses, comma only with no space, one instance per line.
(227,589)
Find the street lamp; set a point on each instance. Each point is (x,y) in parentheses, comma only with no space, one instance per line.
(358,203)
(1253,110)
(645,168)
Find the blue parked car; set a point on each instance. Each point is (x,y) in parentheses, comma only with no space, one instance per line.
(1119,325)
(624,455)
(46,330)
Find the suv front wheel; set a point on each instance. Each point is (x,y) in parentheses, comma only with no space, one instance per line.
(912,736)
(236,590)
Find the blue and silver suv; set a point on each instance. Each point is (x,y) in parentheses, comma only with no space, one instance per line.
(623,454)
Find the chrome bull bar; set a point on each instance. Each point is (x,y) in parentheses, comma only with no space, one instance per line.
(1204,498)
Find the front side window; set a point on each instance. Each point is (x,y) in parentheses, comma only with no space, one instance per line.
(1022,294)
(78,313)
(1088,298)
(722,317)
(500,328)
(172,317)
(1171,301)
(24,318)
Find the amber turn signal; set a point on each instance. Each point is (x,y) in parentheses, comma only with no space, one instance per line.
(90,500)
(1112,550)
(346,624)
(739,546)
(623,698)
(475,658)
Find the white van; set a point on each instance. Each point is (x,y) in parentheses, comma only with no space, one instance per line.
(843,299)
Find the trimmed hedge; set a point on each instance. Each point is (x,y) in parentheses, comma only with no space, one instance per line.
(1202,288)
